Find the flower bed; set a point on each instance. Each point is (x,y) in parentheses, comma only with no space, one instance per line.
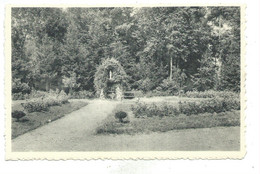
(212,105)
(44,102)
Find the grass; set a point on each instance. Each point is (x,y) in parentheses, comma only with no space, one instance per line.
(36,119)
(134,125)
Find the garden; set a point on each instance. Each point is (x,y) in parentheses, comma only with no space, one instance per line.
(168,68)
(41,108)
(216,109)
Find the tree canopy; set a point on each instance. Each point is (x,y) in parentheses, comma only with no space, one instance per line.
(202,44)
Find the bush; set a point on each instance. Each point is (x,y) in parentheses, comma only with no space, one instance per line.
(206,106)
(146,84)
(38,94)
(20,91)
(214,105)
(20,87)
(168,86)
(156,93)
(18,115)
(120,115)
(138,93)
(44,102)
(20,96)
(211,94)
(150,110)
(35,105)
(82,94)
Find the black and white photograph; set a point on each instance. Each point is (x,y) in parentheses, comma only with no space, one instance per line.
(126,79)
(133,87)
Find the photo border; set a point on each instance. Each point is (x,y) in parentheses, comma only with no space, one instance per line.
(121,154)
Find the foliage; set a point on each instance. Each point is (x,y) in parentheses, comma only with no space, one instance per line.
(151,110)
(37,119)
(213,105)
(81,94)
(70,82)
(20,96)
(19,87)
(206,78)
(51,44)
(211,94)
(168,86)
(102,75)
(120,115)
(18,115)
(163,124)
(43,103)
(146,84)
(138,93)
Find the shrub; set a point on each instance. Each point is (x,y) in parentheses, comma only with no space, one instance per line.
(35,105)
(138,93)
(120,115)
(156,93)
(211,94)
(206,106)
(146,84)
(18,115)
(20,96)
(44,102)
(20,87)
(168,86)
(38,94)
(214,105)
(82,94)
(150,110)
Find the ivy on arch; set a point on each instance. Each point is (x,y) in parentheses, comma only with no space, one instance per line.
(110,74)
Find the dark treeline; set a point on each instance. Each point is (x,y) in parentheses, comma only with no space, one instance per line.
(189,47)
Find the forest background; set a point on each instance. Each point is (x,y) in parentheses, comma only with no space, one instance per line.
(162,49)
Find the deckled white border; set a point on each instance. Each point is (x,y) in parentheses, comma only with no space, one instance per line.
(119,155)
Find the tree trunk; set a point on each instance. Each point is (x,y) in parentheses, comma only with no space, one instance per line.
(216,66)
(47,84)
(170,68)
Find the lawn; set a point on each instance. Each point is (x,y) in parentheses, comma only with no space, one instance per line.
(36,119)
(133,125)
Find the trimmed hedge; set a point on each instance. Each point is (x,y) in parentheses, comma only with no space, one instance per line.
(150,110)
(211,94)
(214,105)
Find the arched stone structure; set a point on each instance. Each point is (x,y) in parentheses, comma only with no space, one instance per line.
(110,79)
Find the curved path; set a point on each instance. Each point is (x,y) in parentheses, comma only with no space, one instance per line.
(66,133)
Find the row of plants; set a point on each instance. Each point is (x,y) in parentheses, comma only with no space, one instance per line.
(211,94)
(213,105)
(81,94)
(43,102)
(38,94)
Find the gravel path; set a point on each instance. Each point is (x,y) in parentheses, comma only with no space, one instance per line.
(66,133)
(75,132)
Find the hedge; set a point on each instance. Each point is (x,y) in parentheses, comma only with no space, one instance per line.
(43,103)
(213,105)
(211,94)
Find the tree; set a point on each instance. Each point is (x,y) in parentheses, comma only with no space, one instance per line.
(206,78)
